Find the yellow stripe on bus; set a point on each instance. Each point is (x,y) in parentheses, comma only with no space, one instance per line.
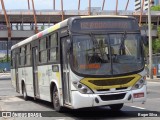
(86,82)
(58,78)
(53,28)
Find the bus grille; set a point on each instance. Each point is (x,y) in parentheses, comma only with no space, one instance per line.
(109,82)
(112,97)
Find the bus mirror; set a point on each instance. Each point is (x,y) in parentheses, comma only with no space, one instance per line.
(145,40)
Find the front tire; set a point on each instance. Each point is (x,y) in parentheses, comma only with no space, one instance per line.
(116,107)
(24,92)
(56,101)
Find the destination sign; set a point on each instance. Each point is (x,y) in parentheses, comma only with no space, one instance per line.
(105,24)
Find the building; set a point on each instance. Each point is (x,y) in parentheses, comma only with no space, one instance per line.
(138,4)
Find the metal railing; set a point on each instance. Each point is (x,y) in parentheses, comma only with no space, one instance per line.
(24,27)
(76,12)
(145,27)
(42,27)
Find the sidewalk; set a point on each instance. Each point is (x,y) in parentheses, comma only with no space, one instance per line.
(155,79)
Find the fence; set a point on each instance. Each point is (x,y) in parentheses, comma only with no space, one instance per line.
(4,65)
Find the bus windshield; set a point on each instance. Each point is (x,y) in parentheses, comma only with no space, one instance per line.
(110,54)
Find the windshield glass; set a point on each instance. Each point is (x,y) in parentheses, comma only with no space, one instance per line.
(110,54)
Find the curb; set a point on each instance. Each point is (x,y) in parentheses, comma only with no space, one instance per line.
(153,80)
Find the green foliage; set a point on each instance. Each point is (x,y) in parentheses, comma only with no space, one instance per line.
(156,42)
(155,8)
(5,59)
(156,45)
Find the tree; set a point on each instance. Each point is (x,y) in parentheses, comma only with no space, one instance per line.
(5,59)
(155,8)
(156,42)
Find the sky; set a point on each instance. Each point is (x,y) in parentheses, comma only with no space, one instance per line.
(68,4)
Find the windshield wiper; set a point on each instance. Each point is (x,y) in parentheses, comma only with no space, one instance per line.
(96,45)
(122,45)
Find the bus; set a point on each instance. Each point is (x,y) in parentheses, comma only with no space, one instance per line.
(83,61)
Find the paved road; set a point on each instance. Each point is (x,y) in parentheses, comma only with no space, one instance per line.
(11,101)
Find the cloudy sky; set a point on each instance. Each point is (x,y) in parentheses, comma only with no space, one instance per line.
(68,4)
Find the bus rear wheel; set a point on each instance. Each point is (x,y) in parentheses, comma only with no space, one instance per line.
(116,107)
(24,92)
(56,101)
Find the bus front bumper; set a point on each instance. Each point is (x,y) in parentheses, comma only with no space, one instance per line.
(90,100)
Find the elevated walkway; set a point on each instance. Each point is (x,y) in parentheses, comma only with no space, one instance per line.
(22,21)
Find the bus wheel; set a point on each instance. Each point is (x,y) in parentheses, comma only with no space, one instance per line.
(116,107)
(24,92)
(56,101)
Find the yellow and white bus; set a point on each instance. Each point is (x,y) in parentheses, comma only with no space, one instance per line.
(82,62)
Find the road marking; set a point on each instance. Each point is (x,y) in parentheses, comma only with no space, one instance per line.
(138,107)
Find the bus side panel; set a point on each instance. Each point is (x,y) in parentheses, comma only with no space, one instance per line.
(44,83)
(21,76)
(29,81)
(55,77)
(13,78)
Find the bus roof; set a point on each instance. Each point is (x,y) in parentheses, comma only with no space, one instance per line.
(60,25)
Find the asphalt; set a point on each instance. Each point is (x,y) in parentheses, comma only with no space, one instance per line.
(7,76)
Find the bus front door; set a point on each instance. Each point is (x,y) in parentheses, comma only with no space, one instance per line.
(35,72)
(16,73)
(65,72)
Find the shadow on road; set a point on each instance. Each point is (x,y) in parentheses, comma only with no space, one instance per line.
(90,113)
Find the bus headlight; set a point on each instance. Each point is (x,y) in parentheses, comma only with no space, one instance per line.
(82,88)
(139,84)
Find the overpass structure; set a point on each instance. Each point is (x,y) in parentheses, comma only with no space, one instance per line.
(22,21)
(19,24)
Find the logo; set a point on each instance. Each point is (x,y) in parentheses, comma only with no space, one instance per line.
(6,114)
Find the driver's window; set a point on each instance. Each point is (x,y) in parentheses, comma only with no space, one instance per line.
(131,45)
(115,42)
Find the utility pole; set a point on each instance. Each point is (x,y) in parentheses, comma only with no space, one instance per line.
(150,41)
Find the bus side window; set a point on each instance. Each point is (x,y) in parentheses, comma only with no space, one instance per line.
(13,58)
(28,54)
(22,56)
(19,57)
(43,50)
(53,48)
